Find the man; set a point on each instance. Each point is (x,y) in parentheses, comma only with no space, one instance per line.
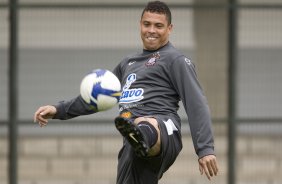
(148,120)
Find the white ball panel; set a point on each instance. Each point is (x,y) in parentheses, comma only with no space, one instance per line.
(105,102)
(110,81)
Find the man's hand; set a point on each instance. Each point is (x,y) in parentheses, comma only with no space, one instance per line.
(43,114)
(208,165)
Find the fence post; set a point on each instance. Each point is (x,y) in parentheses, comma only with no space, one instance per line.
(232,72)
(13,90)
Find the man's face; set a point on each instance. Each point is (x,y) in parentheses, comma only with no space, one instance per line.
(154,30)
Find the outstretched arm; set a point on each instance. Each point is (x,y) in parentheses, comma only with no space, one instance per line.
(63,110)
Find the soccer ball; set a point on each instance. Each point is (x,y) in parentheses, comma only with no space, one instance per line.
(100,89)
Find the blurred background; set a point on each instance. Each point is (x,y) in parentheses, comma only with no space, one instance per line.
(237,49)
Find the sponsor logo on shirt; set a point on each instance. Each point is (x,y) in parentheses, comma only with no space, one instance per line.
(129,106)
(131,95)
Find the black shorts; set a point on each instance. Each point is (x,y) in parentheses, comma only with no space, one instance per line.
(136,170)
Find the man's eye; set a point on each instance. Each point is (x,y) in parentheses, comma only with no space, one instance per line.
(159,26)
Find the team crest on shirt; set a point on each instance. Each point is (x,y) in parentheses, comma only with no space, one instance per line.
(153,59)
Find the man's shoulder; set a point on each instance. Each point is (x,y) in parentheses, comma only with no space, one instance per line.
(171,52)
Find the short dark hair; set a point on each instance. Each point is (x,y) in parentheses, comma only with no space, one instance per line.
(158,7)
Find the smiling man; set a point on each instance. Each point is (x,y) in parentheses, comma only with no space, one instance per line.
(155,30)
(154,82)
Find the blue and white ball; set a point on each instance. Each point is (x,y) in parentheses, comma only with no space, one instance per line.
(100,89)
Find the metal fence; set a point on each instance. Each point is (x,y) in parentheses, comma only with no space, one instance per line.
(46,47)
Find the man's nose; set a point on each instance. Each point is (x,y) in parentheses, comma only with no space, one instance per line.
(152,29)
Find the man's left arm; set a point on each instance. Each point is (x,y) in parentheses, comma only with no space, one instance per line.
(199,118)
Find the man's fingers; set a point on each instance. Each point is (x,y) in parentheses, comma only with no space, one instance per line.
(208,165)
(42,115)
(36,114)
(42,124)
(214,167)
(207,173)
(38,117)
(210,169)
(204,169)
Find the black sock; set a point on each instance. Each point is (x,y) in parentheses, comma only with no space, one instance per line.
(149,132)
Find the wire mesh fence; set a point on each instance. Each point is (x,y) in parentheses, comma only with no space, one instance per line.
(60,41)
